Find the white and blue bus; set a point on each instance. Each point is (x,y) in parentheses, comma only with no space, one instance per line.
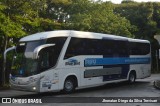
(68,60)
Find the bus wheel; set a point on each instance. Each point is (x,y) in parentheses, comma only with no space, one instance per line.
(132,77)
(69,85)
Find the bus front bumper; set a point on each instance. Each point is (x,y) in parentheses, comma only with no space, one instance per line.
(32,87)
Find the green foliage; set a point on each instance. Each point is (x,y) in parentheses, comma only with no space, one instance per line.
(156,16)
(10,28)
(98,17)
(127,1)
(140,15)
(20,18)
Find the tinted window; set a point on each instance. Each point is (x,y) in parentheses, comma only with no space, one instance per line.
(109,48)
(59,42)
(49,56)
(32,45)
(120,48)
(137,48)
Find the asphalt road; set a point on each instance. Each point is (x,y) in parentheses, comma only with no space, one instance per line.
(142,88)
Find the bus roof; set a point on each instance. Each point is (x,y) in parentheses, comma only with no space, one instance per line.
(78,34)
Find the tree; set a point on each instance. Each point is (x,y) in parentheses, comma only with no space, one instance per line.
(20,18)
(127,1)
(140,15)
(8,29)
(98,17)
(156,15)
(56,10)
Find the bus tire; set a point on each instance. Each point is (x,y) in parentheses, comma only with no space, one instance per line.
(69,86)
(132,77)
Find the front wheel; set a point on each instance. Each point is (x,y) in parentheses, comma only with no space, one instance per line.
(132,77)
(69,85)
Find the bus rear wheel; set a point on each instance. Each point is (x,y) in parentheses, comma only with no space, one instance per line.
(69,85)
(132,77)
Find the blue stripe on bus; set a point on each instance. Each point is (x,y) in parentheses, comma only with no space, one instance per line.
(115,61)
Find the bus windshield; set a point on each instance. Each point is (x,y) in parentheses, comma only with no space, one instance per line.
(23,65)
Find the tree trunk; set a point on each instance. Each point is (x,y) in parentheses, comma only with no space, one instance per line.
(4,61)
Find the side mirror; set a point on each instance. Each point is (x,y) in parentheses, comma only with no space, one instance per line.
(7,50)
(39,48)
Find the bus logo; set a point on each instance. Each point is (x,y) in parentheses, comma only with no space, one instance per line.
(72,62)
(90,62)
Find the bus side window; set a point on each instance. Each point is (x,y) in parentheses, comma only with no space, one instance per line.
(70,53)
(47,59)
(106,47)
(44,63)
(137,48)
(74,48)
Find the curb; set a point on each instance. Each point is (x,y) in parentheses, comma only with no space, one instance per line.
(4,89)
(157,84)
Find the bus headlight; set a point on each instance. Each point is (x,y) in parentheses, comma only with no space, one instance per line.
(32,79)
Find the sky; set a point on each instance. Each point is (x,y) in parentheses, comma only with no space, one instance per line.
(119,1)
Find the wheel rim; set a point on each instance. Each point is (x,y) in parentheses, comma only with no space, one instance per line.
(68,85)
